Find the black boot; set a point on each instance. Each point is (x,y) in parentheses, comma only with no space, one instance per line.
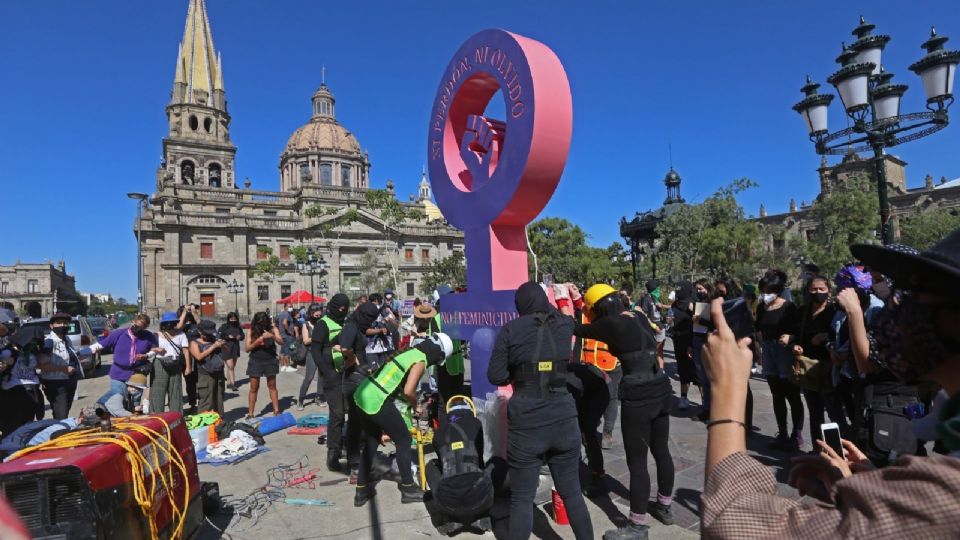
(596,488)
(363,495)
(333,460)
(410,493)
(661,512)
(631,531)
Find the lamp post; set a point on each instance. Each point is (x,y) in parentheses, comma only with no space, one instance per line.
(322,289)
(312,266)
(873,104)
(140,198)
(236,288)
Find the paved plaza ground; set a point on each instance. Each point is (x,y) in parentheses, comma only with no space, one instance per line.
(386,518)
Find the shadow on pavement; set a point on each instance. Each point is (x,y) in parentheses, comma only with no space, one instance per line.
(689,499)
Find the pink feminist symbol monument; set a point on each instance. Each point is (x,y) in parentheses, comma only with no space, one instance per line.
(492,177)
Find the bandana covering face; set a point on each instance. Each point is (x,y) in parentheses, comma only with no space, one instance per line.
(905,340)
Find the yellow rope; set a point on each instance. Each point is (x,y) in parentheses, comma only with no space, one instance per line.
(142,493)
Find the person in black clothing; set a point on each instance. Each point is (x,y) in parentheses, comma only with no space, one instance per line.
(588,385)
(645,394)
(448,384)
(324,337)
(352,343)
(777,320)
(811,343)
(314,315)
(188,325)
(531,353)
(683,339)
(461,489)
(232,335)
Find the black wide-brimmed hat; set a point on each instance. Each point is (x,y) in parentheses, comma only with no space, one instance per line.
(936,270)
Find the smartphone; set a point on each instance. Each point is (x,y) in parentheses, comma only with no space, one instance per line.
(831,436)
(736,313)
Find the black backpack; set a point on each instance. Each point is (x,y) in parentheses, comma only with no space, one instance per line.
(889,431)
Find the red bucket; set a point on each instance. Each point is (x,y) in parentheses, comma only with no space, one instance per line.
(559,510)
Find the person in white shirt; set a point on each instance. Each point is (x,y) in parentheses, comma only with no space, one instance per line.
(59,366)
(166,389)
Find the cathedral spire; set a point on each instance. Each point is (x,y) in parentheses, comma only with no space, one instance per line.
(198,64)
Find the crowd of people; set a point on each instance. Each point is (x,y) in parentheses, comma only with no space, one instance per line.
(872,347)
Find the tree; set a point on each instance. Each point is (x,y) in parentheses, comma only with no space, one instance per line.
(924,229)
(340,218)
(393,214)
(713,238)
(845,216)
(269,268)
(450,271)
(561,250)
(374,277)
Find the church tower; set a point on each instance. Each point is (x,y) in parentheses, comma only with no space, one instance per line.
(197,150)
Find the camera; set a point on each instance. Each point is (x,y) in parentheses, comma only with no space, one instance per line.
(738,317)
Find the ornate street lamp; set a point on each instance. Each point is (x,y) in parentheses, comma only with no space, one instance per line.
(312,267)
(873,104)
(236,288)
(141,199)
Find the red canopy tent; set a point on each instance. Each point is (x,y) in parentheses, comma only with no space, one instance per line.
(302,297)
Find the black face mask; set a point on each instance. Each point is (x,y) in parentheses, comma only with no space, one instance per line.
(702,297)
(820,297)
(60,330)
(234,323)
(136,329)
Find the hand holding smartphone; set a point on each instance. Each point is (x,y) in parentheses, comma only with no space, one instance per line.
(831,436)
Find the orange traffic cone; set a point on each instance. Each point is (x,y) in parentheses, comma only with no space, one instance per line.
(559,510)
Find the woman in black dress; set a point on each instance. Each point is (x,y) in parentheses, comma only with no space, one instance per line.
(262,346)
(232,334)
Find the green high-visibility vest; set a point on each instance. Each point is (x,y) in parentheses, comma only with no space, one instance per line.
(334,330)
(378,387)
(454,364)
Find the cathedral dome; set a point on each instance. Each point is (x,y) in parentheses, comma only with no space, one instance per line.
(321,134)
(322,151)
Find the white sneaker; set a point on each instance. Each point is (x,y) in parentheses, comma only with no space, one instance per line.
(684,403)
(288,369)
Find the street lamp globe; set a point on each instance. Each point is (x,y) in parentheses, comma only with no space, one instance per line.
(851,81)
(937,70)
(868,47)
(813,108)
(886,97)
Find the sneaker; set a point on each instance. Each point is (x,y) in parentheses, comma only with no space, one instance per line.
(796,441)
(299,404)
(596,488)
(606,442)
(631,531)
(684,404)
(363,495)
(354,474)
(781,442)
(661,512)
(333,461)
(410,493)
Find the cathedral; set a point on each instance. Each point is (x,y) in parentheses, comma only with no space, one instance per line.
(202,233)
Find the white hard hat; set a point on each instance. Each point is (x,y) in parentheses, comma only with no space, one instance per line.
(444,342)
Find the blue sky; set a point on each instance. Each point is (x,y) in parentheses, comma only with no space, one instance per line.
(84,87)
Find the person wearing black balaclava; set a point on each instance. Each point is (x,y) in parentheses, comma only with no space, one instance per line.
(326,329)
(645,394)
(449,376)
(352,343)
(683,338)
(531,353)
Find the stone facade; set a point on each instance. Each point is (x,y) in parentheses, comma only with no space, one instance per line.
(201,231)
(26,287)
(904,201)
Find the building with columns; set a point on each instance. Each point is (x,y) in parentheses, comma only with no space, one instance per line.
(203,231)
(40,289)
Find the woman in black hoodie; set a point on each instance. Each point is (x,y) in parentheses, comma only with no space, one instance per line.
(531,353)
(683,339)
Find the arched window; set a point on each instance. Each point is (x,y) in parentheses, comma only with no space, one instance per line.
(326,174)
(304,173)
(346,174)
(215,174)
(187,169)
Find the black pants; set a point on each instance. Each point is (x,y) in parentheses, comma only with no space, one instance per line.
(686,370)
(591,408)
(447,386)
(21,404)
(333,390)
(558,446)
(748,413)
(388,420)
(191,382)
(784,391)
(312,369)
(646,426)
(60,395)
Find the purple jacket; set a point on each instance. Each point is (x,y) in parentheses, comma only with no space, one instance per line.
(123,362)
